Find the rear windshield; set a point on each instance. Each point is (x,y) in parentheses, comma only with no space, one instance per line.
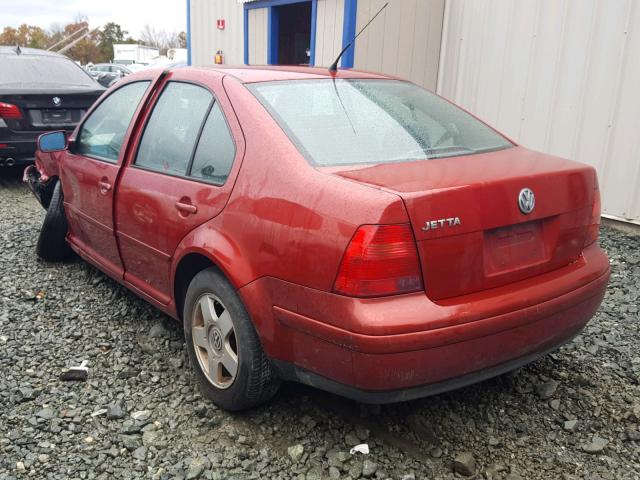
(346,122)
(40,69)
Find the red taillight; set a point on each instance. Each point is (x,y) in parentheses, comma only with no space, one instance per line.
(380,260)
(594,223)
(9,111)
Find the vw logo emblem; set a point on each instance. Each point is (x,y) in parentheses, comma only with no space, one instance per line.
(526,200)
(215,339)
(56,101)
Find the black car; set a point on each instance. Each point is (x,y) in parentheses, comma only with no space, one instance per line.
(40,91)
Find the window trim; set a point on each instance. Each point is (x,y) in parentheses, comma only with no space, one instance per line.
(187,175)
(76,140)
(195,150)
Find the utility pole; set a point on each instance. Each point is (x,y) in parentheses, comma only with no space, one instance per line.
(67,38)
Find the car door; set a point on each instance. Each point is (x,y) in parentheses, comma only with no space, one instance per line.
(179,177)
(89,172)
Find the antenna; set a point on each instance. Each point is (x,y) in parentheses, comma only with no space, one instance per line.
(333,69)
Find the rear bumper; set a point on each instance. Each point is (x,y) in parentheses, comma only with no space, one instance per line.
(403,348)
(291,372)
(18,147)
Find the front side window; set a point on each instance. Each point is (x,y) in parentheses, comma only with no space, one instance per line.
(171,132)
(215,152)
(102,134)
(346,122)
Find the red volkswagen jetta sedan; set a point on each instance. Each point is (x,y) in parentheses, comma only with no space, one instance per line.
(353,232)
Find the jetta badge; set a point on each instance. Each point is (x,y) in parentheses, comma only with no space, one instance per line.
(526,200)
(56,101)
(441,223)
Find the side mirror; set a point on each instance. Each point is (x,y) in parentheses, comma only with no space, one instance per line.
(52,142)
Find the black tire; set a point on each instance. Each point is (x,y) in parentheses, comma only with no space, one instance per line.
(255,381)
(52,244)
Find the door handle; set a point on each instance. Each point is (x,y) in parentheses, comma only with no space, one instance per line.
(104,186)
(186,208)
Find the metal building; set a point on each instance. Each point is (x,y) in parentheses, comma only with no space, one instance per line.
(559,76)
(404,40)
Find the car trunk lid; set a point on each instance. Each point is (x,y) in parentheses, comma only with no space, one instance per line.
(61,108)
(470,231)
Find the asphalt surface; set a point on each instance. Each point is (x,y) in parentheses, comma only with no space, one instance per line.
(139,414)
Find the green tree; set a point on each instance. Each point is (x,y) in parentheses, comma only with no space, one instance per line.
(111,33)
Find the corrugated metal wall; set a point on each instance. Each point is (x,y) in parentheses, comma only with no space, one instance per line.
(258,36)
(206,39)
(560,76)
(404,40)
(329,21)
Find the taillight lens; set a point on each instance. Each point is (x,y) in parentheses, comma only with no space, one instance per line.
(594,223)
(380,260)
(9,111)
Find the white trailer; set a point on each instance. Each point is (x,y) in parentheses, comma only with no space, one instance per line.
(130,53)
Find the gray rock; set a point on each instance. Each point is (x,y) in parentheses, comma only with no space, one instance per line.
(351,439)
(546,390)
(465,464)
(150,437)
(362,433)
(141,415)
(158,331)
(314,474)
(140,453)
(295,452)
(115,412)
(196,467)
(570,425)
(436,452)
(131,442)
(369,468)
(596,445)
(337,458)
(494,441)
(46,413)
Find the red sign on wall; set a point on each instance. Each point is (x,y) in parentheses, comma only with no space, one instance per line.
(220,23)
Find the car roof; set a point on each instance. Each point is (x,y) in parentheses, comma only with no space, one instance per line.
(27,52)
(270,73)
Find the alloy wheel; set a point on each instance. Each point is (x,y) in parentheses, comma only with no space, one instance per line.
(214,341)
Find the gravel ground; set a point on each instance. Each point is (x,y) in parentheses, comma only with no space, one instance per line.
(574,414)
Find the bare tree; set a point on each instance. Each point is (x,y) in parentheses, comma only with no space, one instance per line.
(159,38)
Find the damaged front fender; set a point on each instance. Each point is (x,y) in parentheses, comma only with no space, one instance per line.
(41,189)
(42,177)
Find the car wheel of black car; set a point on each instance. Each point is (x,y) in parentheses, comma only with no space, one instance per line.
(52,244)
(230,364)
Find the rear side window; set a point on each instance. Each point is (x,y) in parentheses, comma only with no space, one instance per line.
(215,153)
(103,132)
(42,70)
(171,132)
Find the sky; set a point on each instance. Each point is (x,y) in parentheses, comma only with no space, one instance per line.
(132,15)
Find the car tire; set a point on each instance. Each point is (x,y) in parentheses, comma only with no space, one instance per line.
(219,332)
(52,245)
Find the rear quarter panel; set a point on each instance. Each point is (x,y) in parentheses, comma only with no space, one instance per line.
(284,218)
